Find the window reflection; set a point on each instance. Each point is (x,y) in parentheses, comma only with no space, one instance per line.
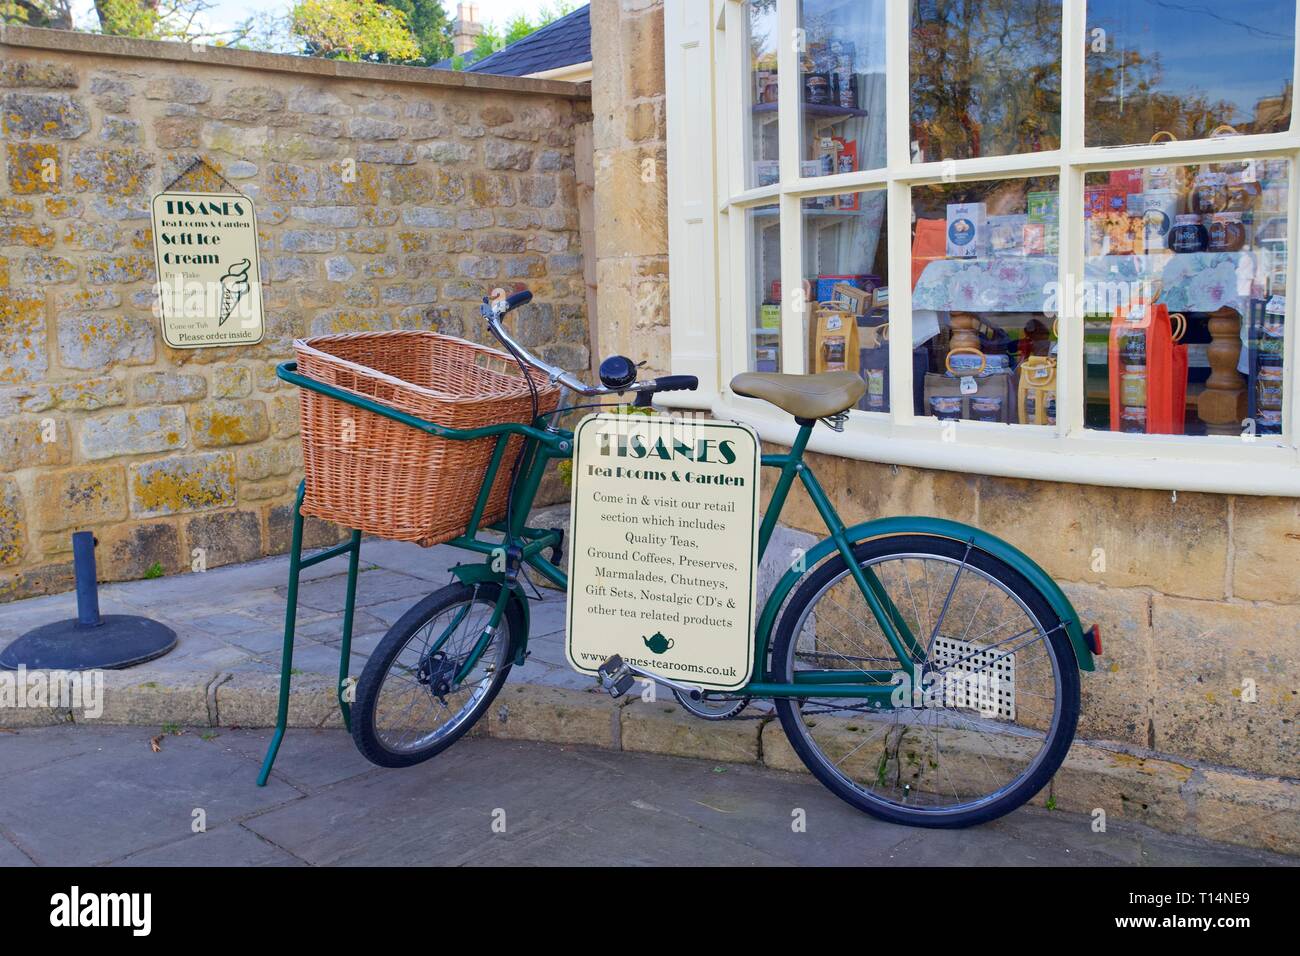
(983,300)
(761,17)
(842,86)
(985,78)
(1184,70)
(764,228)
(1185,298)
(845,265)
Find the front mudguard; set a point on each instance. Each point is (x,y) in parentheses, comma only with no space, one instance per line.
(941,528)
(473,574)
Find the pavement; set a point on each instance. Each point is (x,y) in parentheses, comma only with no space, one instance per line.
(83,792)
(88,795)
(231,619)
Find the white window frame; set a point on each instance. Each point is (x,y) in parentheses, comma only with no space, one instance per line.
(706,124)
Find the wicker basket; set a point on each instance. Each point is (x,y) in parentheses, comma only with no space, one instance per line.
(374,474)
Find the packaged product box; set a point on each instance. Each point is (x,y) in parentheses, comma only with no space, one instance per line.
(1096,199)
(766,172)
(767,358)
(1126,181)
(826,284)
(769,316)
(1007,235)
(1043,206)
(1041,238)
(967,230)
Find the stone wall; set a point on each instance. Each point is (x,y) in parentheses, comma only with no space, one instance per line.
(387,197)
(627,100)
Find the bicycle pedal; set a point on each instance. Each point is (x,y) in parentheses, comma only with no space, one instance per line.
(616,677)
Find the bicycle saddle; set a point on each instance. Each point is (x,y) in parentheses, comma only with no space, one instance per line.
(803,396)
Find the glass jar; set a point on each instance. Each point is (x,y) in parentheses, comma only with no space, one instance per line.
(1133,386)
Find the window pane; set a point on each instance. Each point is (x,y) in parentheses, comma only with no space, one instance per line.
(1188,69)
(983,270)
(844,267)
(985,78)
(842,86)
(1208,244)
(764,228)
(764,155)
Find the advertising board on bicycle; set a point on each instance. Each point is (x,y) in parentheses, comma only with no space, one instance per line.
(663,558)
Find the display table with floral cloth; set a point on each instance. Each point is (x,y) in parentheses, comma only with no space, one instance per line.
(1186,282)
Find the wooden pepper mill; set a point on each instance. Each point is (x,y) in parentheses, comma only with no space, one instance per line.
(1222,405)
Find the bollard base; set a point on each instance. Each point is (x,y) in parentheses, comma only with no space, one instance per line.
(122,640)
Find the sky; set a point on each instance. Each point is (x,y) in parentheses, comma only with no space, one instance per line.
(227,13)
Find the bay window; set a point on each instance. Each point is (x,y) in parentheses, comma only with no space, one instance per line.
(1052,236)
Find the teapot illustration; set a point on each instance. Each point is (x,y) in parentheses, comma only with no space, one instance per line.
(658,643)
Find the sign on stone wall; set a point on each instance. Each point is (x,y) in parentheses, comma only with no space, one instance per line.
(209,278)
(664,547)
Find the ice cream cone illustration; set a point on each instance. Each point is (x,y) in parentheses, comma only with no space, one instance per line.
(234,284)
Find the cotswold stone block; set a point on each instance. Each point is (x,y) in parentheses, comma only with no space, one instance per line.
(1176,547)
(46,115)
(12,530)
(134,432)
(499,154)
(178,89)
(1225,683)
(264,461)
(48,270)
(116,172)
(286,182)
(284,415)
(168,387)
(30,74)
(1266,540)
(79,497)
(308,240)
(127,551)
(217,424)
(97,340)
(22,335)
(88,395)
(119,270)
(31,442)
(32,168)
(231,381)
(227,537)
(182,483)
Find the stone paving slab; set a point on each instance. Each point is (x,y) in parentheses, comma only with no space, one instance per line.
(101,795)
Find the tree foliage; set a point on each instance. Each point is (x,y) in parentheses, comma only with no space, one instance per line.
(430,26)
(354,30)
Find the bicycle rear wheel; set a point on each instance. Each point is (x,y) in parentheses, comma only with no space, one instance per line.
(409,706)
(996,707)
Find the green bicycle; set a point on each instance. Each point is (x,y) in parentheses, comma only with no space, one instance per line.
(925,671)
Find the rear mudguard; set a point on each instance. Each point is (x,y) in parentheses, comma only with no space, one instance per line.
(941,528)
(472,574)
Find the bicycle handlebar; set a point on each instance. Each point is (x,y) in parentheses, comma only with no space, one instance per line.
(499,304)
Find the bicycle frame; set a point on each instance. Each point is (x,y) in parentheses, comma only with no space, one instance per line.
(523,545)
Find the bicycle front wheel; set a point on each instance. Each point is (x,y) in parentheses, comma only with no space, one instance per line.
(410,705)
(992,715)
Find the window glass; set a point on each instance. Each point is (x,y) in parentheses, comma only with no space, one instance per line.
(983,300)
(845,266)
(1185,70)
(764,228)
(842,86)
(764,154)
(985,78)
(1184,298)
